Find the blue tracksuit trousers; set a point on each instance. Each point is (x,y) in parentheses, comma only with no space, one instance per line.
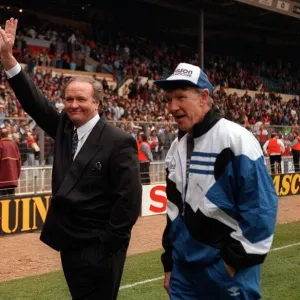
(213,282)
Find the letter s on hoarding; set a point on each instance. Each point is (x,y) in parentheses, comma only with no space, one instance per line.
(154,200)
(158,195)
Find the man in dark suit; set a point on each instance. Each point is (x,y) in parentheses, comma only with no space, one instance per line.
(96,188)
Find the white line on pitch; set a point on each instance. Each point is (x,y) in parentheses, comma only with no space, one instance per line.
(129,286)
(284,247)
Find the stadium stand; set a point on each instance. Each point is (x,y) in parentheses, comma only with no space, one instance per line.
(246,92)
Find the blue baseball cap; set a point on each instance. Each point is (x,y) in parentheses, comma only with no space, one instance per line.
(186,75)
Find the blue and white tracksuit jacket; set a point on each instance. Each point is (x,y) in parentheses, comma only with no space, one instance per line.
(230,200)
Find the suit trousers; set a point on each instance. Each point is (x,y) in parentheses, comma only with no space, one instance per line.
(91,273)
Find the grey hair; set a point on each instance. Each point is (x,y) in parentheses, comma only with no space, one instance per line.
(96,85)
(199,91)
(210,101)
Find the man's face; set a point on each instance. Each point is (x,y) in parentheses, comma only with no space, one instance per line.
(14,129)
(187,107)
(80,103)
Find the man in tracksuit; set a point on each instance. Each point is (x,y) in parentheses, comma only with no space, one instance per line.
(222,204)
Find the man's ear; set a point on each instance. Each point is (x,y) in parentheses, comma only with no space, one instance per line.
(205,94)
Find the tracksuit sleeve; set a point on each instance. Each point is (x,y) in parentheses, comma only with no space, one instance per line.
(256,203)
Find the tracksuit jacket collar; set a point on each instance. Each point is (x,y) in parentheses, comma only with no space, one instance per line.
(210,120)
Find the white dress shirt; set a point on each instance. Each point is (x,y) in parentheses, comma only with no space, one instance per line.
(83,131)
(13,71)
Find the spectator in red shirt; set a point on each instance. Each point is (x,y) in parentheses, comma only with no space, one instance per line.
(10,164)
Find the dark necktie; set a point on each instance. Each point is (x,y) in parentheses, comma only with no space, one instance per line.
(74,142)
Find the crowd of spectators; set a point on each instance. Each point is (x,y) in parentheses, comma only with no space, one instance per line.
(141,107)
(283,77)
(125,55)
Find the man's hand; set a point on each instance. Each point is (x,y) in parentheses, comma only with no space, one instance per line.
(229,269)
(8,36)
(7,40)
(167,281)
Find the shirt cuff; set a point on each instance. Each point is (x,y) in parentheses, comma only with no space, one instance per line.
(13,71)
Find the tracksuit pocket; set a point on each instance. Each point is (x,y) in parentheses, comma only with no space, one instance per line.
(218,272)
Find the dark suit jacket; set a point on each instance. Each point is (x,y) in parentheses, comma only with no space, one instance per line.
(96,196)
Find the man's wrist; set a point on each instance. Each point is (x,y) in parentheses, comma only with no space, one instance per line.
(230,269)
(8,61)
(13,71)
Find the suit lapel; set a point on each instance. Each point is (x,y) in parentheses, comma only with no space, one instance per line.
(62,156)
(89,149)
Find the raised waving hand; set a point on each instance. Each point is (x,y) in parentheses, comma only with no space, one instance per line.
(7,40)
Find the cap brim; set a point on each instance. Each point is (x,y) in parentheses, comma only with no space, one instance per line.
(173,84)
